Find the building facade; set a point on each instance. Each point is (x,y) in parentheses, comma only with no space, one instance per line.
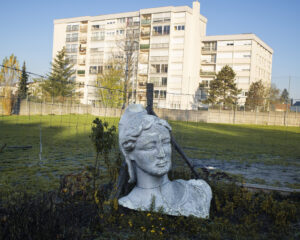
(249,57)
(171,51)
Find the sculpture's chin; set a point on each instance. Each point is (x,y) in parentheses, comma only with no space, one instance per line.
(160,170)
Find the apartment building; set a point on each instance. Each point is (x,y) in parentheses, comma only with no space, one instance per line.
(168,52)
(171,51)
(248,55)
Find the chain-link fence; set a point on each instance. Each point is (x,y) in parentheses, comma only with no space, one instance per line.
(42,137)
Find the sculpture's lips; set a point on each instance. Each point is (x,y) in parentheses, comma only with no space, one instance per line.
(162,164)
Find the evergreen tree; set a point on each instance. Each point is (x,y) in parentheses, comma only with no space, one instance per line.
(223,89)
(58,82)
(23,82)
(256,95)
(284,98)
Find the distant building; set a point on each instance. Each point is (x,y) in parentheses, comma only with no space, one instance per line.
(169,54)
(248,55)
(296,107)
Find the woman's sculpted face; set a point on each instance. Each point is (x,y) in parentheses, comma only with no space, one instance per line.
(152,152)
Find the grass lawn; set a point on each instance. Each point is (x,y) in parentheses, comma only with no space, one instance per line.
(66,146)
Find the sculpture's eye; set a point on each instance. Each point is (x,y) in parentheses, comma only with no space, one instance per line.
(166,141)
(150,146)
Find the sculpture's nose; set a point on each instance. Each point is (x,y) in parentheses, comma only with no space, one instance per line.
(161,152)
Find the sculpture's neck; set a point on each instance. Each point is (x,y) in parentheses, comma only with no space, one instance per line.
(147,181)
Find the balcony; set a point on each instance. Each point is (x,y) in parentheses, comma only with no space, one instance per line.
(145,34)
(101,38)
(81,62)
(212,61)
(159,45)
(146,22)
(206,73)
(160,33)
(209,49)
(132,24)
(81,73)
(83,40)
(142,85)
(144,46)
(82,51)
(83,29)
(159,58)
(72,39)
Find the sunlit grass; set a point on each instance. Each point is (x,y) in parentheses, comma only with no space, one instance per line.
(66,146)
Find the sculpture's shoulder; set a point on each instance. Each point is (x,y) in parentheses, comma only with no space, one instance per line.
(198,198)
(126,202)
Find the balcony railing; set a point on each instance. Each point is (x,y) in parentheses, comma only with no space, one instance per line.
(142,85)
(159,84)
(132,24)
(160,58)
(209,49)
(145,34)
(212,61)
(144,46)
(98,38)
(207,73)
(71,39)
(81,72)
(160,45)
(160,34)
(146,21)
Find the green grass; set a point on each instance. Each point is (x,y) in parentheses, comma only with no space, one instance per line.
(245,143)
(66,146)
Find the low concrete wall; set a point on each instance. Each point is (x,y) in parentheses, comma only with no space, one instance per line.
(209,116)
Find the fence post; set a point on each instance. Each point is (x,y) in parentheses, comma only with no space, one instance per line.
(149,96)
(256,115)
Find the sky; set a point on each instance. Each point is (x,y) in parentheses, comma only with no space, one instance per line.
(26,28)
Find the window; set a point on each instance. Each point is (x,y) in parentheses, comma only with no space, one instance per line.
(121,20)
(167,30)
(96,69)
(95,27)
(156,93)
(157,68)
(157,30)
(110,33)
(164,68)
(72,28)
(161,30)
(72,37)
(164,81)
(163,94)
(72,58)
(111,22)
(120,32)
(179,27)
(71,48)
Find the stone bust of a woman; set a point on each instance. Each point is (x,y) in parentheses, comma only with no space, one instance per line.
(146,145)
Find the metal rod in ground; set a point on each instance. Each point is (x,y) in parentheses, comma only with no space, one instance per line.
(150,111)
